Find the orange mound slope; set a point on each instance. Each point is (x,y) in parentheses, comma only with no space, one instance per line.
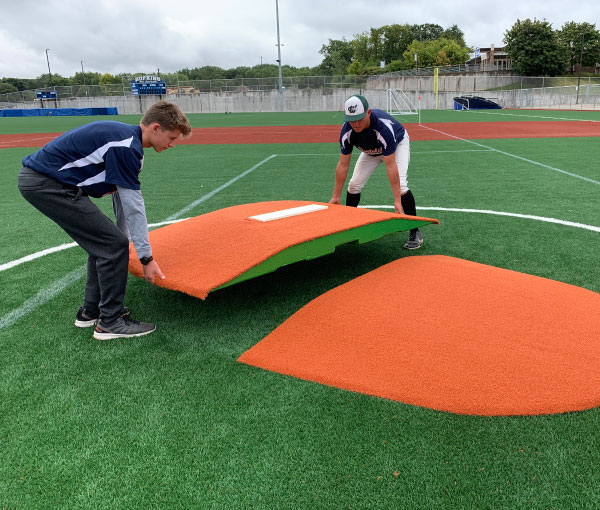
(470,339)
(201,254)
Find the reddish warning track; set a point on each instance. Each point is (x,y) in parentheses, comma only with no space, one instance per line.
(330,134)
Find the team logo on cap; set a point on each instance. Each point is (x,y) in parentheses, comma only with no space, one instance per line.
(352,108)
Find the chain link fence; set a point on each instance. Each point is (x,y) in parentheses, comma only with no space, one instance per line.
(523,91)
(198,86)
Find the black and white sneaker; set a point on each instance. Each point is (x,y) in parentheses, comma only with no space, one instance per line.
(123,327)
(415,240)
(85,319)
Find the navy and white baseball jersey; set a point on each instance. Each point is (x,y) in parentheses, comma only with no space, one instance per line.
(96,157)
(380,139)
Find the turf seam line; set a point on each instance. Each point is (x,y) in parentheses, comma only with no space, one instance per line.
(188,208)
(515,156)
(41,297)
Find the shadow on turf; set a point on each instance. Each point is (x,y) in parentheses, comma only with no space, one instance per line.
(257,306)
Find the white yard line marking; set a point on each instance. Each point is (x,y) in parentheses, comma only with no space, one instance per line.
(533,116)
(48,251)
(188,208)
(42,297)
(337,154)
(554,169)
(9,142)
(33,256)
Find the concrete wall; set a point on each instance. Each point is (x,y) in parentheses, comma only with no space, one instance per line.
(332,99)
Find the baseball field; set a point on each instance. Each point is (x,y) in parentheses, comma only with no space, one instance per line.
(173,420)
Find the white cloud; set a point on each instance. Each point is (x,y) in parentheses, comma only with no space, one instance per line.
(145,35)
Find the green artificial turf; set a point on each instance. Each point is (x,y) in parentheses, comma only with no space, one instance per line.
(171,420)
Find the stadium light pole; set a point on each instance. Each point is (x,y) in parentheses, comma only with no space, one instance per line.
(279,58)
(84,84)
(48,60)
(580,64)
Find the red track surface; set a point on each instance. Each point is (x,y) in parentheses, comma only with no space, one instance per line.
(330,134)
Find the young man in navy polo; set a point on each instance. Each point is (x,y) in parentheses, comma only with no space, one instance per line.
(94,160)
(380,138)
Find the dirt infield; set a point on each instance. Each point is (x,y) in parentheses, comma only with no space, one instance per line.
(330,134)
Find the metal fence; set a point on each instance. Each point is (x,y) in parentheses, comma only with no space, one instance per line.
(198,86)
(517,91)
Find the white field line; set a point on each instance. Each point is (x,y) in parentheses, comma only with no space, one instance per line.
(58,286)
(593,228)
(45,295)
(42,297)
(554,169)
(531,116)
(411,152)
(50,137)
(37,255)
(566,223)
(188,208)
(33,256)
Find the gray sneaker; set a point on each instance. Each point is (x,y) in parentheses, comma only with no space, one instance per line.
(123,327)
(86,319)
(415,240)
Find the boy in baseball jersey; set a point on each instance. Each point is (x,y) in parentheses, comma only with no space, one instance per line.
(380,138)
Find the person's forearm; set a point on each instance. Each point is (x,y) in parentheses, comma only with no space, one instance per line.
(134,211)
(341,172)
(394,182)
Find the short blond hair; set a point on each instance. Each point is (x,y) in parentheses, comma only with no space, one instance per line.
(169,116)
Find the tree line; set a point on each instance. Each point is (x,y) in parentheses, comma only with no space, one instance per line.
(534,46)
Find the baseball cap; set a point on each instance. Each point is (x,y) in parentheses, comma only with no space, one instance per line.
(355,108)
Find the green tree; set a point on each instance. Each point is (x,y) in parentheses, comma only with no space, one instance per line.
(337,56)
(107,79)
(570,38)
(427,32)
(534,48)
(86,78)
(204,73)
(454,34)
(7,88)
(436,53)
(396,38)
(355,68)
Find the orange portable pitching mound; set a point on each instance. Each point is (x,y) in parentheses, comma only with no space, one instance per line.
(468,338)
(231,245)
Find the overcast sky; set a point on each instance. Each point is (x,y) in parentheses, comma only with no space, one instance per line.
(114,36)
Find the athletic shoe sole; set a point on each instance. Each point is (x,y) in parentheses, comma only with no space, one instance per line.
(85,324)
(105,335)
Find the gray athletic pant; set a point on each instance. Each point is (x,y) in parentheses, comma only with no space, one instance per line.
(106,245)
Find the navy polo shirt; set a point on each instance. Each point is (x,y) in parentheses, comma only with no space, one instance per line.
(96,157)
